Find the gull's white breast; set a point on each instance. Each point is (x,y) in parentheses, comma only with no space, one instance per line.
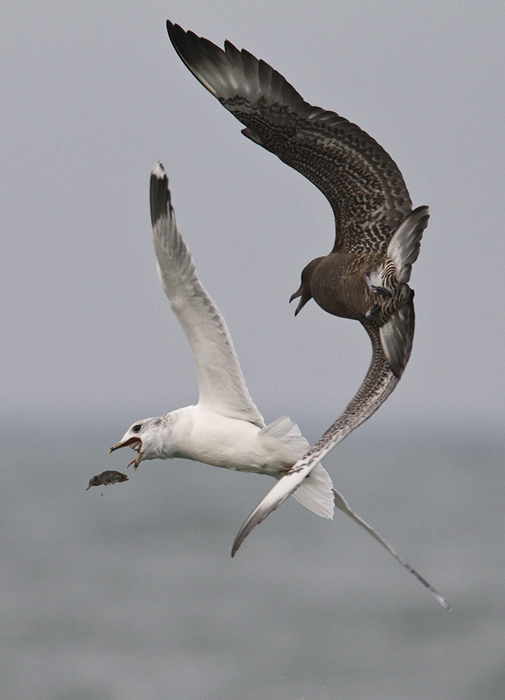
(207,436)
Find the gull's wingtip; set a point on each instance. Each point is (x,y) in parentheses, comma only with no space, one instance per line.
(158,170)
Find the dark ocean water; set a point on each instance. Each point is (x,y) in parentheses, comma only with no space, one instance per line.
(134,596)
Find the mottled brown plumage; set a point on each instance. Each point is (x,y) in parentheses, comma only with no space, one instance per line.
(340,283)
(365,276)
(337,283)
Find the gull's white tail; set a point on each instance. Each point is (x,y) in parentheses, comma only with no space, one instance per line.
(315,491)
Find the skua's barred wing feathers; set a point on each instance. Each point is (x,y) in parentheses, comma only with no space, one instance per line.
(363,184)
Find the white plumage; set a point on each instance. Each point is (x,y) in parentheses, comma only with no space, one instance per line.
(225,428)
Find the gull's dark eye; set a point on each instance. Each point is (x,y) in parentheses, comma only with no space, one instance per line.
(137,428)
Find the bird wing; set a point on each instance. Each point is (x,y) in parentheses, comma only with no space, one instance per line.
(363,184)
(397,335)
(405,245)
(221,383)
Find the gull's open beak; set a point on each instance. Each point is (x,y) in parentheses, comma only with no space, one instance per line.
(126,443)
(129,443)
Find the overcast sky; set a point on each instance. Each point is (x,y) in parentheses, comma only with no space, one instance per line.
(93,95)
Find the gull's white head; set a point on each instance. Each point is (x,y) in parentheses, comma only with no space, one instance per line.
(145,437)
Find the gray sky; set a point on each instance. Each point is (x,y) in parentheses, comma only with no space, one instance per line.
(91,98)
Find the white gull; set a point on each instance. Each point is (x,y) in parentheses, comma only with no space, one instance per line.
(224,429)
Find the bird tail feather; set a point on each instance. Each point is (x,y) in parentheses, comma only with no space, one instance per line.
(316,490)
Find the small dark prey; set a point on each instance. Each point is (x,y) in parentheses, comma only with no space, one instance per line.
(107,477)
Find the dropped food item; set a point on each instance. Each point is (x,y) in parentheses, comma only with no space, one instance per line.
(106,478)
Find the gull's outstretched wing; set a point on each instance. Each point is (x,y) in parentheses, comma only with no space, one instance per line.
(361,181)
(220,380)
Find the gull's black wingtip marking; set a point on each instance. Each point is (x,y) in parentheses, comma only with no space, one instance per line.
(159,194)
